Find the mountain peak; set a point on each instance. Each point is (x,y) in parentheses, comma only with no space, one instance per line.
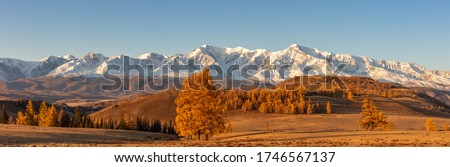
(47,58)
(69,57)
(294,45)
(92,55)
(237,49)
(56,58)
(150,56)
(209,47)
(94,58)
(222,51)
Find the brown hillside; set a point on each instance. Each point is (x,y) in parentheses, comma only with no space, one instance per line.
(154,106)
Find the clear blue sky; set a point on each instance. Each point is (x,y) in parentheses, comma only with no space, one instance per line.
(402,30)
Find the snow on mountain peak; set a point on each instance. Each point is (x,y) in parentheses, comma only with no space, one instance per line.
(297,57)
(294,45)
(151,56)
(237,49)
(94,58)
(12,69)
(54,58)
(69,57)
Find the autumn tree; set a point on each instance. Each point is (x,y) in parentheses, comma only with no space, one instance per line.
(328,108)
(199,109)
(247,106)
(3,115)
(125,122)
(371,118)
(21,119)
(30,116)
(47,116)
(350,96)
(43,114)
(302,105)
(262,108)
(52,117)
(310,109)
(430,125)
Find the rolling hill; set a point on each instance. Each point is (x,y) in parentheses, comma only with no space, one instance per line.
(410,103)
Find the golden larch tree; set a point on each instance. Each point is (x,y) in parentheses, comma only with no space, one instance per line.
(262,108)
(310,109)
(371,118)
(302,105)
(199,109)
(350,96)
(430,125)
(247,106)
(328,108)
(20,120)
(52,117)
(30,115)
(43,114)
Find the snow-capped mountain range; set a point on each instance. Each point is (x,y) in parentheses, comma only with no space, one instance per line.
(275,66)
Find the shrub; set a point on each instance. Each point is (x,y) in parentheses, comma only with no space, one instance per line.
(430,125)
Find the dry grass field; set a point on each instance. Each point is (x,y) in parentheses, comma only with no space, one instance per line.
(249,129)
(18,135)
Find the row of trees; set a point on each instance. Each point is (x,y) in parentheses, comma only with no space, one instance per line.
(266,101)
(292,99)
(287,100)
(145,124)
(49,117)
(338,86)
